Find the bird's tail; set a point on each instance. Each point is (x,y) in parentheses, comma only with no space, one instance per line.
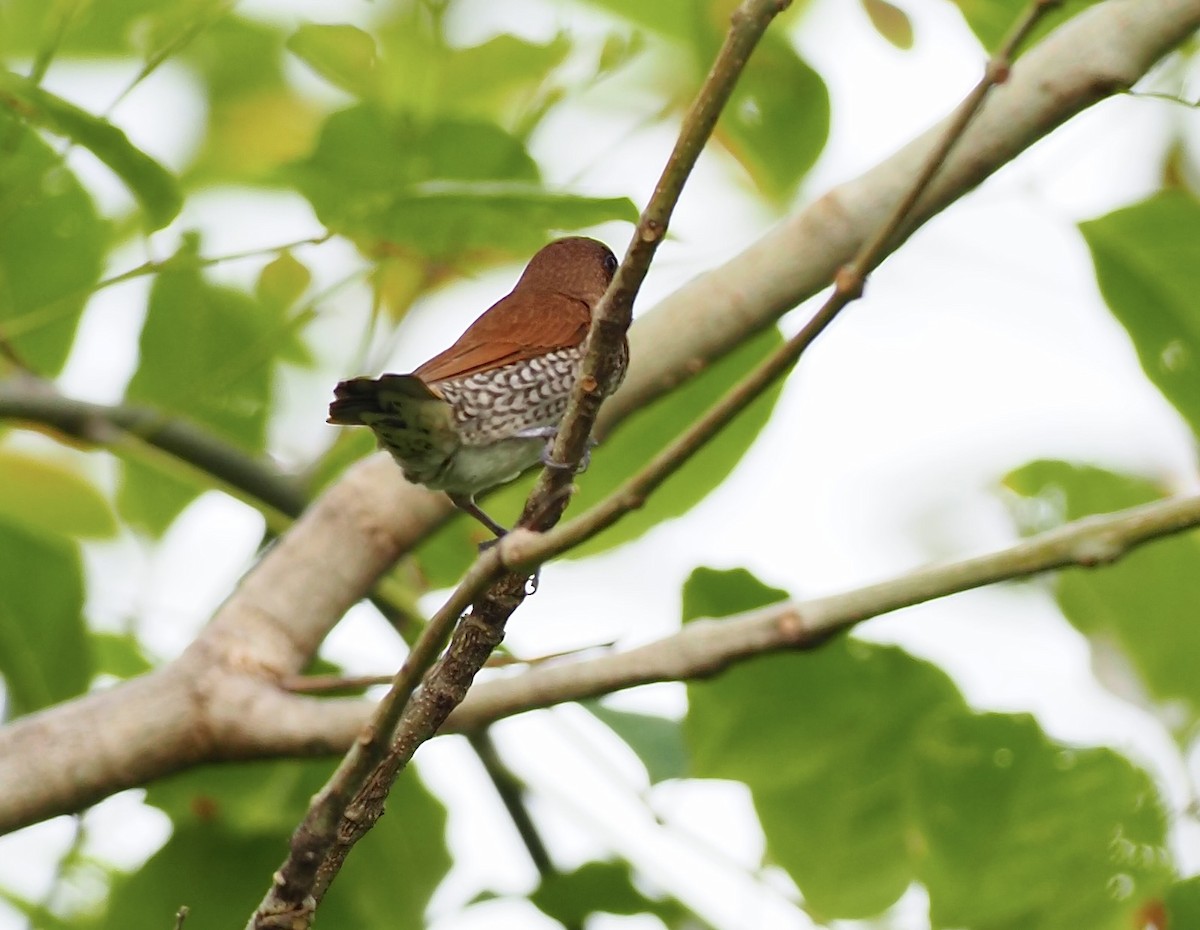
(371,397)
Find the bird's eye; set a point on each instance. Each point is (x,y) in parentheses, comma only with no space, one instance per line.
(610,263)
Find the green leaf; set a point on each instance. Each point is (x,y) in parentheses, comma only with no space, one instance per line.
(1144,603)
(1021,833)
(44,654)
(992,20)
(821,739)
(505,79)
(438,188)
(257,121)
(218,873)
(657,741)
(119,655)
(481,79)
(282,281)
(232,825)
(1182,904)
(51,499)
(868,771)
(1147,260)
(153,186)
(715,592)
(344,55)
(891,22)
(207,353)
(445,554)
(280,284)
(777,120)
(598,887)
(52,245)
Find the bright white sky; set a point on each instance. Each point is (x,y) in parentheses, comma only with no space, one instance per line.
(980,346)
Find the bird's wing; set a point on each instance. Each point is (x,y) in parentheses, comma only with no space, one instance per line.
(517,327)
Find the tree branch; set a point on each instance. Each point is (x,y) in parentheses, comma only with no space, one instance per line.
(38,402)
(200,710)
(220,701)
(352,800)
(525,551)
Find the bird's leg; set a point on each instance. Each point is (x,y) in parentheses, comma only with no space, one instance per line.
(550,433)
(466,503)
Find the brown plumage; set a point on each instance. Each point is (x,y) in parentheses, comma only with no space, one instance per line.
(481,412)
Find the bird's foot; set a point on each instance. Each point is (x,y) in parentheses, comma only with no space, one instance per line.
(550,433)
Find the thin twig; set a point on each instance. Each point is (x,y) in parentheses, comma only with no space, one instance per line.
(526,551)
(352,800)
(154,267)
(512,796)
(612,316)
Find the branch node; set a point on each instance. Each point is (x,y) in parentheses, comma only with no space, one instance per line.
(848,282)
(998,70)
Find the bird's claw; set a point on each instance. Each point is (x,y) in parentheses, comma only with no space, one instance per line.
(550,433)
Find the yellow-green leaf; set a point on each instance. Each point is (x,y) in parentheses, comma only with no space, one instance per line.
(50,498)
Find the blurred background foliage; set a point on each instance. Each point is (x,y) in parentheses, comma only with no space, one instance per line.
(867,769)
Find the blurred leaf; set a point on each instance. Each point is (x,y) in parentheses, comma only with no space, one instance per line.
(257,122)
(657,741)
(502,80)
(344,55)
(676,19)
(821,739)
(282,281)
(714,592)
(891,22)
(119,655)
(206,353)
(84,29)
(218,873)
(598,887)
(438,189)
(481,79)
(52,245)
(1021,833)
(1147,260)
(1182,904)
(280,284)
(232,824)
(777,120)
(250,798)
(1145,602)
(992,20)
(51,499)
(153,186)
(618,51)
(447,553)
(44,653)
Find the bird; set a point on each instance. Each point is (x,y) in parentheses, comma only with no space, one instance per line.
(478,414)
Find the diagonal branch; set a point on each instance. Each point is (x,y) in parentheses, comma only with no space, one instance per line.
(352,800)
(524,550)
